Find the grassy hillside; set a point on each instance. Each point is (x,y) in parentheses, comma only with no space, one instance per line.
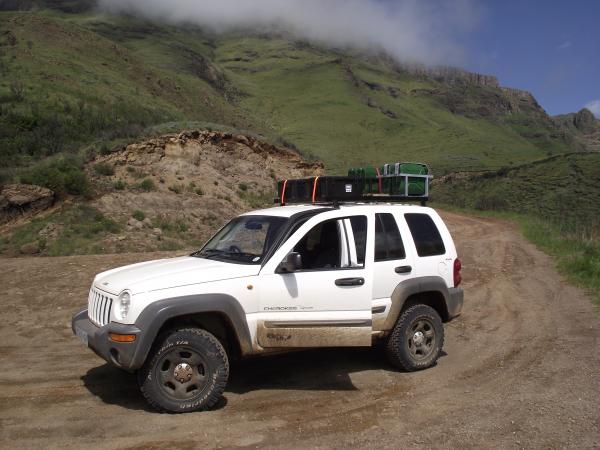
(86,81)
(556,201)
(562,189)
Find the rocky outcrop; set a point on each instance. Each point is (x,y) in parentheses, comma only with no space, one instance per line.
(17,200)
(520,100)
(454,75)
(585,121)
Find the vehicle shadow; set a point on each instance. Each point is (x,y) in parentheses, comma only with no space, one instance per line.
(326,369)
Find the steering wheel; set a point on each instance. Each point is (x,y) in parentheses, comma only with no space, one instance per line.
(235,249)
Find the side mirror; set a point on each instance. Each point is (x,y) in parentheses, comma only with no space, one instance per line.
(291,263)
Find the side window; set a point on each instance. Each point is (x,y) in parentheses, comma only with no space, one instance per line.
(337,243)
(425,234)
(388,242)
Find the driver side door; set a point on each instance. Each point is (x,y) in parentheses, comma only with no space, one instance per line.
(327,301)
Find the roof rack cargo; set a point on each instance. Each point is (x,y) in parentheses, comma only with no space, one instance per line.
(398,182)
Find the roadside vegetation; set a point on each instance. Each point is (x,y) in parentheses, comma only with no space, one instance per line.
(69,231)
(556,201)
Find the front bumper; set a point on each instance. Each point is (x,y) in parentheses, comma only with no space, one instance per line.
(455,301)
(124,355)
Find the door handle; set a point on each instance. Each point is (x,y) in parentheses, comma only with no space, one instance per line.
(349,281)
(403,269)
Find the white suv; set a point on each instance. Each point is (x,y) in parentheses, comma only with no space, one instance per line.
(286,277)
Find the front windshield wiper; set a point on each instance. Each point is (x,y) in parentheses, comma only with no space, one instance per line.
(208,253)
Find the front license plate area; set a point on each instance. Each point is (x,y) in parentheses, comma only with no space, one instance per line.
(82,335)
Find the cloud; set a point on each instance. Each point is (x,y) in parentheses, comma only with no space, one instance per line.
(564,45)
(594,107)
(408,30)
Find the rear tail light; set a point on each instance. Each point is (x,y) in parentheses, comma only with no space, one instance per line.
(457,267)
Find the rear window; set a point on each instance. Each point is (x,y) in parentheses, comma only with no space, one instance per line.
(388,243)
(425,234)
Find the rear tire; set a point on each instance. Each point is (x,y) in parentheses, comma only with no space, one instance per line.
(417,339)
(187,372)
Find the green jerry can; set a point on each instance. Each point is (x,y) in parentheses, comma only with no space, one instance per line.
(370,176)
(394,179)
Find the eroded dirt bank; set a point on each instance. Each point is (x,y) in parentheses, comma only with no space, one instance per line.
(521,369)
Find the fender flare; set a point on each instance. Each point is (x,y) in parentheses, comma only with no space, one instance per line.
(155,315)
(410,287)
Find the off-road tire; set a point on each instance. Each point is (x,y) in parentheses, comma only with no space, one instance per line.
(200,362)
(401,349)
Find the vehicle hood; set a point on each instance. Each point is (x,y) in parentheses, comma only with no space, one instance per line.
(170,273)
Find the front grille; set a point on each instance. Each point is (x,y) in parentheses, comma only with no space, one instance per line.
(99,306)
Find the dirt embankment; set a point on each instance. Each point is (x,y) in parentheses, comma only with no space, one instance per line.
(169,192)
(520,370)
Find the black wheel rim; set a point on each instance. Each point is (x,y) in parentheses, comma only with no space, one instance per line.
(182,373)
(421,339)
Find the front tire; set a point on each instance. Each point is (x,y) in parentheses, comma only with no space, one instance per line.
(417,339)
(187,372)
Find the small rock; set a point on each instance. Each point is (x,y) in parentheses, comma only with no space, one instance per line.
(32,248)
(147,222)
(157,231)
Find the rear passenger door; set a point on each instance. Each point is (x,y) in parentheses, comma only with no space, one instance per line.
(393,263)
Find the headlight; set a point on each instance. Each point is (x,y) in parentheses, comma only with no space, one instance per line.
(124,303)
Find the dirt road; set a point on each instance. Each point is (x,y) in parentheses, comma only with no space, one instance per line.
(521,369)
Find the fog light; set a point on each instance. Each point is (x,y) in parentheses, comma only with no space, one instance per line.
(122,337)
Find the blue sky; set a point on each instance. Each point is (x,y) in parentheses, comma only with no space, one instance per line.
(550,48)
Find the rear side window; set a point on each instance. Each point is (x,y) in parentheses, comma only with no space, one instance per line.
(388,243)
(425,234)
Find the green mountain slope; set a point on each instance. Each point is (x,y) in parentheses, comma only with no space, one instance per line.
(74,80)
(562,189)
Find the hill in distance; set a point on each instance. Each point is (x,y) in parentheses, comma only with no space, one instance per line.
(74,80)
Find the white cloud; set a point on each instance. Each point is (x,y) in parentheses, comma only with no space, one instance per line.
(564,45)
(409,30)
(594,107)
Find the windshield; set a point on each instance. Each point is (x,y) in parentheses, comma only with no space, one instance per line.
(246,239)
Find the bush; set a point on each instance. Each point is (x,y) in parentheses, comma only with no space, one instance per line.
(119,185)
(138,215)
(104,150)
(104,169)
(176,188)
(243,187)
(63,175)
(147,185)
(490,202)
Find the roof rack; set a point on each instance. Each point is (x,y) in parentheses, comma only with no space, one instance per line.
(335,190)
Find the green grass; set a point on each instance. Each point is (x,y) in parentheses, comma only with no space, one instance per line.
(79,228)
(90,81)
(556,201)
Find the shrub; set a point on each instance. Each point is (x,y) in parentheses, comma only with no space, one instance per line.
(104,169)
(119,185)
(243,187)
(64,176)
(176,188)
(147,185)
(104,150)
(490,202)
(138,215)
